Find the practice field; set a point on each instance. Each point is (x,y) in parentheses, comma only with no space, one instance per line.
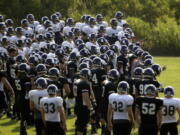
(169,77)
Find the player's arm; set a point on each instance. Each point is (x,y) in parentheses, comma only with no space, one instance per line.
(137,115)
(63,117)
(66,88)
(109,117)
(43,116)
(86,99)
(159,118)
(178,111)
(42,112)
(92,97)
(130,114)
(33,86)
(7,85)
(31,104)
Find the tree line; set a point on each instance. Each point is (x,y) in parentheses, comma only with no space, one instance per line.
(155,22)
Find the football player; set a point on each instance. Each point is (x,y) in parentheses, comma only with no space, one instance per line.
(148,112)
(61,82)
(32,23)
(69,26)
(23,85)
(27,31)
(97,78)
(9,23)
(68,42)
(148,78)
(83,107)
(89,29)
(18,35)
(171,105)
(52,111)
(100,22)
(35,97)
(11,73)
(2,29)
(109,86)
(3,101)
(71,70)
(112,32)
(120,110)
(119,15)
(123,62)
(57,29)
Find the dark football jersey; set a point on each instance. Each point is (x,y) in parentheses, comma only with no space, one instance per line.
(111,65)
(71,69)
(71,84)
(11,69)
(136,87)
(132,86)
(148,107)
(108,88)
(124,59)
(62,81)
(141,86)
(23,85)
(97,76)
(82,87)
(32,72)
(123,67)
(2,74)
(59,83)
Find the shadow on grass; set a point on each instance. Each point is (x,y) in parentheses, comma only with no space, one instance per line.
(16,129)
(134,133)
(10,122)
(3,118)
(70,117)
(71,130)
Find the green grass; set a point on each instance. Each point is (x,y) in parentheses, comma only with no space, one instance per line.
(171,76)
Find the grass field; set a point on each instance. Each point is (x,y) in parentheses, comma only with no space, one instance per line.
(169,77)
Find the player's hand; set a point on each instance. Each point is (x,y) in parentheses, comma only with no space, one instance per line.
(178,121)
(64,127)
(44,123)
(164,67)
(110,127)
(133,125)
(94,103)
(159,127)
(12,94)
(92,112)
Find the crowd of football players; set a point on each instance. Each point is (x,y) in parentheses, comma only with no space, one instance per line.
(95,70)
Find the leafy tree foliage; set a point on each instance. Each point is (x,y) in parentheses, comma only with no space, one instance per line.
(156,22)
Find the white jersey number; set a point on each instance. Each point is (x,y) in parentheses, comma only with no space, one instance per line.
(168,110)
(18,86)
(94,79)
(118,106)
(49,107)
(148,108)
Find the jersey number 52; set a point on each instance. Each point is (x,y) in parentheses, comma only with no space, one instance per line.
(148,108)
